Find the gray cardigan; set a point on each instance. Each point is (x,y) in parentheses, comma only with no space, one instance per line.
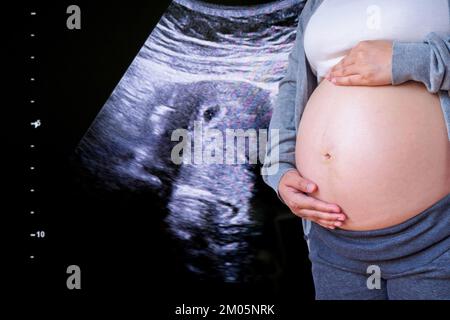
(427,62)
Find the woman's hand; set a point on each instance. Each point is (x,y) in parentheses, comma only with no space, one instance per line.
(369,63)
(292,189)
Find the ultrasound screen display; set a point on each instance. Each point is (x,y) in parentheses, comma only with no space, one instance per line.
(203,67)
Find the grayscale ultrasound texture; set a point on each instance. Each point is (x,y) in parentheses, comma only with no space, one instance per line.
(216,65)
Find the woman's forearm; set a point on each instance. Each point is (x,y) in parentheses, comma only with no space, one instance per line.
(427,62)
(280,153)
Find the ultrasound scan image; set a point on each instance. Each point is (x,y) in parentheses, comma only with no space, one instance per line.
(208,64)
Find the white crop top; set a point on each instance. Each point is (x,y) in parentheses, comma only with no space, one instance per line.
(338,25)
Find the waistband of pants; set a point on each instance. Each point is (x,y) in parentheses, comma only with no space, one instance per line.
(416,241)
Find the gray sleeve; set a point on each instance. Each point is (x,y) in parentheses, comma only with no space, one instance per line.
(280,148)
(427,62)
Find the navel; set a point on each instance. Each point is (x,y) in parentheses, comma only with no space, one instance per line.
(327,156)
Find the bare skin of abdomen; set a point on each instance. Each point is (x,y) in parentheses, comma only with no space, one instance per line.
(381,153)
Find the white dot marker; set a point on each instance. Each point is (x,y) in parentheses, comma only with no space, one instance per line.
(31,145)
(32,79)
(31,257)
(32,57)
(31,212)
(31,190)
(32,13)
(31,101)
(31,168)
(32,35)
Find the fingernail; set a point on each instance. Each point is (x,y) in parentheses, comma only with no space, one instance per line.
(341,218)
(338,224)
(309,187)
(333,80)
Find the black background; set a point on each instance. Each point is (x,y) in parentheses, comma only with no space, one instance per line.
(114,239)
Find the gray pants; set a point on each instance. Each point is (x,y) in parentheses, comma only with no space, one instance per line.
(410,260)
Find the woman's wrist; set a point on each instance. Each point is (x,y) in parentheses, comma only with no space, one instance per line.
(410,61)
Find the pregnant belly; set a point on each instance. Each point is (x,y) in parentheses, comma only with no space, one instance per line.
(381,153)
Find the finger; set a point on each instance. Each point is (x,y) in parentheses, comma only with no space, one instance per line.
(348,60)
(350,80)
(311,203)
(319,215)
(343,71)
(326,224)
(301,184)
(333,69)
(330,223)
(344,62)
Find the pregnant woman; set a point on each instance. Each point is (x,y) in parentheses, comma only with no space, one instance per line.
(363,154)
